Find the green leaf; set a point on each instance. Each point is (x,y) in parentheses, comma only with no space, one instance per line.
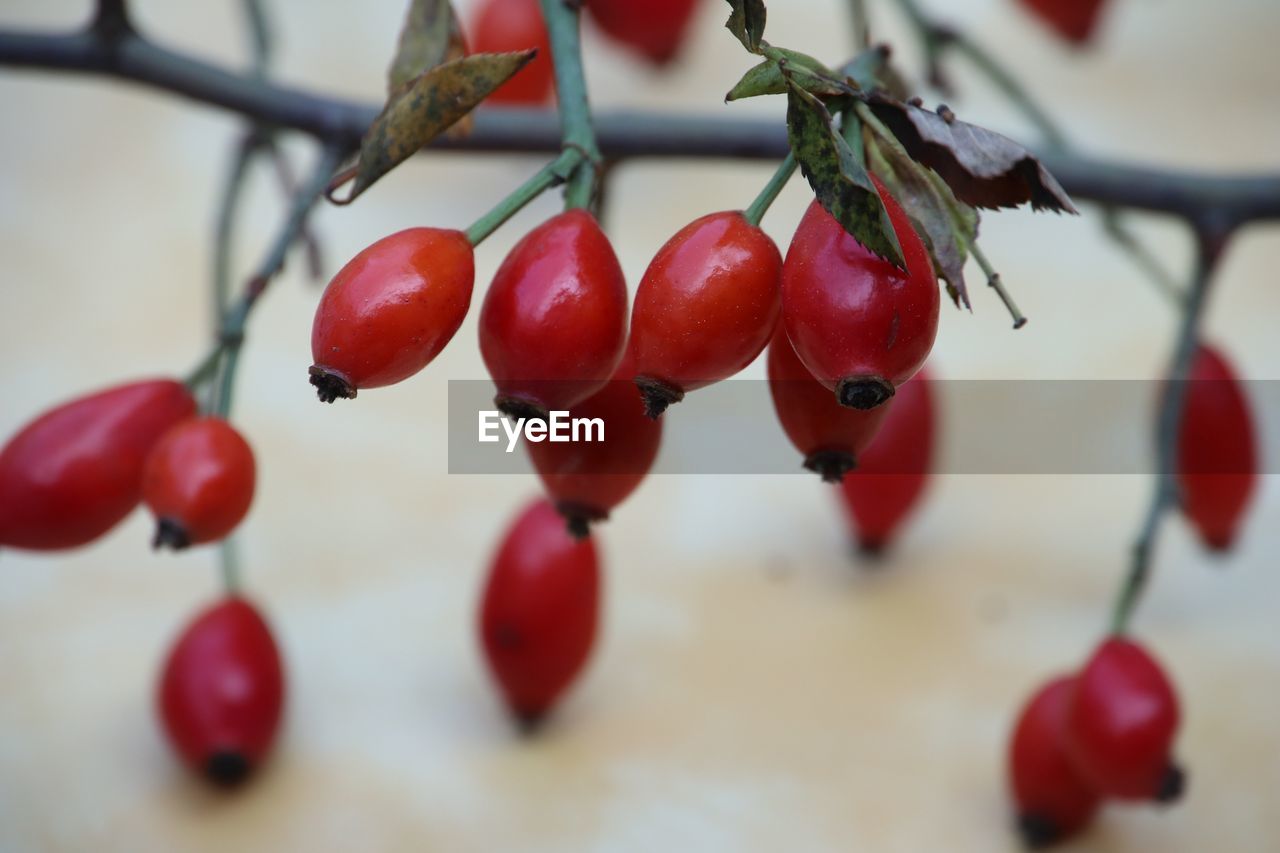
(425,108)
(947,225)
(430,37)
(746,21)
(838,179)
(766,78)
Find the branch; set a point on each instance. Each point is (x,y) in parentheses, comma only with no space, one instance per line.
(1232,199)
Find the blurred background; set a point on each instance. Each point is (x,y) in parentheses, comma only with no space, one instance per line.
(756,687)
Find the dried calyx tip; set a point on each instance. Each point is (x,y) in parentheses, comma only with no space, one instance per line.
(872,550)
(330,384)
(1037,832)
(519,408)
(863,392)
(578,518)
(170,534)
(831,465)
(1172,785)
(227,768)
(529,722)
(657,395)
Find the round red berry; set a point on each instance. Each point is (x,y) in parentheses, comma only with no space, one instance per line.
(861,325)
(539,612)
(706,307)
(198,482)
(75,472)
(390,311)
(222,691)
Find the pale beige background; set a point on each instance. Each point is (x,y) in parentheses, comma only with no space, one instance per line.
(754,689)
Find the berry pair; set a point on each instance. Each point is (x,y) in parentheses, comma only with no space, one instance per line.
(1106,733)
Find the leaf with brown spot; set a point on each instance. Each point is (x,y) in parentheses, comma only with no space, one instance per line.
(838,179)
(425,108)
(947,225)
(982,167)
(430,37)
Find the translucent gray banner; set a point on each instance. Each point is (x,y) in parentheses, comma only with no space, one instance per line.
(983,427)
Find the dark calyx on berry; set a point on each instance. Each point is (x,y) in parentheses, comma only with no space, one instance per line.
(831,465)
(227,768)
(871,548)
(330,384)
(579,518)
(529,723)
(171,534)
(863,392)
(658,395)
(1172,785)
(1037,832)
(518,408)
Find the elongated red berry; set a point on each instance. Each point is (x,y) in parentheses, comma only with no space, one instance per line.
(1073,20)
(1217,463)
(554,321)
(1121,722)
(893,471)
(222,691)
(655,29)
(539,612)
(861,325)
(198,482)
(1053,803)
(830,436)
(390,310)
(503,26)
(706,307)
(75,472)
(588,478)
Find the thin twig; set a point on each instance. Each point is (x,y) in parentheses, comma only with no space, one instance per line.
(1240,198)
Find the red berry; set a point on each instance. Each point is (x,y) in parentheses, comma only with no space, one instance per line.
(503,26)
(222,691)
(1053,802)
(830,436)
(655,28)
(390,310)
(894,469)
(198,482)
(587,479)
(539,613)
(861,325)
(554,321)
(76,471)
(1121,722)
(1217,450)
(1073,20)
(706,307)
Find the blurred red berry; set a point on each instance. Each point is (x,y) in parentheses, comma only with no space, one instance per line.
(504,26)
(655,29)
(1073,20)
(198,482)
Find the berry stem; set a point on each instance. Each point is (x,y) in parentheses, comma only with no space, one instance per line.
(562,19)
(861,27)
(547,177)
(760,206)
(997,284)
(1212,238)
(229,565)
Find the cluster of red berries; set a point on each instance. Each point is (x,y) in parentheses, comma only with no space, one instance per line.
(1105,733)
(654,30)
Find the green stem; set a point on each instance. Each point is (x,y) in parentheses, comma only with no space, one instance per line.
(1211,241)
(861,28)
(223,230)
(205,369)
(760,206)
(547,177)
(229,565)
(562,18)
(996,284)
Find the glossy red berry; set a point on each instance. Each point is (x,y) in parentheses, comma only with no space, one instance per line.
(73,473)
(1072,20)
(830,436)
(587,479)
(655,28)
(883,491)
(539,612)
(706,307)
(222,691)
(861,325)
(503,26)
(1053,803)
(554,321)
(198,482)
(1121,722)
(390,310)
(1217,463)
